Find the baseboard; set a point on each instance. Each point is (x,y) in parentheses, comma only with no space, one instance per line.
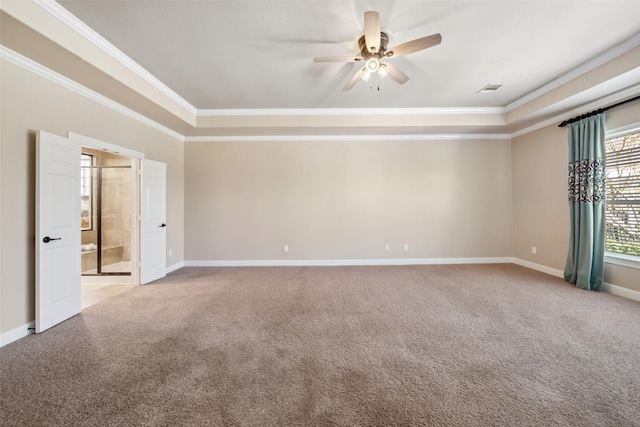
(609,288)
(17,333)
(344,262)
(174,267)
(539,267)
(606,287)
(620,291)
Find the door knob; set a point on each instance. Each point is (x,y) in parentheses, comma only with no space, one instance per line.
(47,239)
(163,225)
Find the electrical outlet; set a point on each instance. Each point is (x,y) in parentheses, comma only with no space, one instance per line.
(286,248)
(386,247)
(170,252)
(533,250)
(406,247)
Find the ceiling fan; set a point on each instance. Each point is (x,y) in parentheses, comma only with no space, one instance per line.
(373,50)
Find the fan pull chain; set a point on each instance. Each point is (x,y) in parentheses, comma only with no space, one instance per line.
(377,77)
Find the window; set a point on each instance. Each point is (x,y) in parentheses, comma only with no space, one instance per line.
(86,190)
(622,186)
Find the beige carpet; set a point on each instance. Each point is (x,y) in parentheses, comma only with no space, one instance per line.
(462,345)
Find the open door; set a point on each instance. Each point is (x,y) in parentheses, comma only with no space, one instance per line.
(58,294)
(153,221)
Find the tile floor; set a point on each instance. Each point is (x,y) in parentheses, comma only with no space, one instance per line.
(118,267)
(93,293)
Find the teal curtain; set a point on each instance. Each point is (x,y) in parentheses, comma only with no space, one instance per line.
(585,262)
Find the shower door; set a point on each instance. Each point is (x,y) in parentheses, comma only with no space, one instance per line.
(107,196)
(116,190)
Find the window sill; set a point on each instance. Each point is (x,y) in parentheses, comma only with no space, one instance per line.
(620,259)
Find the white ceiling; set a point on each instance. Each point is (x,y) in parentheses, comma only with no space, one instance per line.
(258,54)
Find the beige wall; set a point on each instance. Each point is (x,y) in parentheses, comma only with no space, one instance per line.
(540,212)
(347,200)
(540,208)
(30,103)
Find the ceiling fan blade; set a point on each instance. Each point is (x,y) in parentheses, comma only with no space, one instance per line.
(415,45)
(372,31)
(337,58)
(355,78)
(395,74)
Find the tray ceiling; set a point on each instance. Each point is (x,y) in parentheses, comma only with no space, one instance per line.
(258,54)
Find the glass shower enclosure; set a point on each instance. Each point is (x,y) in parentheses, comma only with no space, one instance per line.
(106,214)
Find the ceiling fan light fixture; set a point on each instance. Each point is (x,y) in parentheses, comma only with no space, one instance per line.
(373,64)
(383,70)
(372,46)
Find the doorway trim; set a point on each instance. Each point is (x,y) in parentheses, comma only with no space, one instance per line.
(135,157)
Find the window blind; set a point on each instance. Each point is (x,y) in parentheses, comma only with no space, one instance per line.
(622,187)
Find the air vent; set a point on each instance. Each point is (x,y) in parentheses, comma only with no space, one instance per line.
(489,88)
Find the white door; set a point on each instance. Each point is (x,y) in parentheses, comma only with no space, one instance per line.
(153,222)
(58,295)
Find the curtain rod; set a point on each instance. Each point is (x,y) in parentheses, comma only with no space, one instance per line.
(601,110)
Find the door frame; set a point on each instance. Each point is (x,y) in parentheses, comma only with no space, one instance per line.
(135,157)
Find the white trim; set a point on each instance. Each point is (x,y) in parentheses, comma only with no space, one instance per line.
(67,18)
(594,105)
(174,267)
(606,287)
(343,262)
(621,259)
(38,69)
(348,111)
(282,138)
(539,267)
(591,64)
(620,291)
(17,333)
(105,146)
(543,124)
(623,130)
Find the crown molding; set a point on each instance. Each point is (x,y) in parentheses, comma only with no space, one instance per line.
(632,127)
(585,67)
(67,18)
(582,109)
(348,111)
(347,138)
(38,69)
